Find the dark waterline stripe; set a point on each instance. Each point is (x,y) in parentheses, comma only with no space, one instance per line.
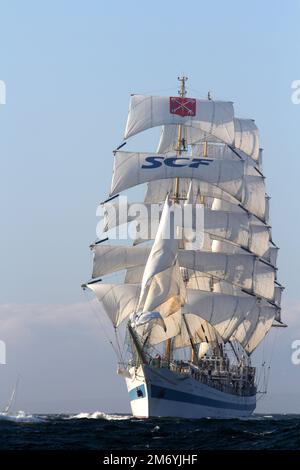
(163,393)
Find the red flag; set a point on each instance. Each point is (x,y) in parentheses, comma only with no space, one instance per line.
(182,106)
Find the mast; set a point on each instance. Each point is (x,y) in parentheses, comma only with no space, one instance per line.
(205,150)
(137,345)
(212,335)
(182,94)
(194,356)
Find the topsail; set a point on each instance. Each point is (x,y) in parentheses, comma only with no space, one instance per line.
(212,117)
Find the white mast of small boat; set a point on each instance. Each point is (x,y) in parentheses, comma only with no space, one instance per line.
(12,399)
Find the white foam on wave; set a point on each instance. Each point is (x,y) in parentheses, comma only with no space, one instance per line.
(100,415)
(255,417)
(20,417)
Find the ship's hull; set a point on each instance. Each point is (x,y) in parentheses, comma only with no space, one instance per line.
(159,392)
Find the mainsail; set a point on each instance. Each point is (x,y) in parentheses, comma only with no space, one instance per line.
(222,291)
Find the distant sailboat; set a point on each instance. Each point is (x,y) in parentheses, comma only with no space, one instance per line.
(192,315)
(12,399)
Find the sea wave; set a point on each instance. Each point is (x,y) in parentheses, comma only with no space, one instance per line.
(101,431)
(100,415)
(21,417)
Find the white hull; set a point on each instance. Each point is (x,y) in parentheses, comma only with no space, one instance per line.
(159,392)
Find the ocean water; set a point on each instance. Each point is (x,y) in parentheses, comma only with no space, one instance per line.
(101,431)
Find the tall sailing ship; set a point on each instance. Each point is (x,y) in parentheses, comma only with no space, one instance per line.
(192,300)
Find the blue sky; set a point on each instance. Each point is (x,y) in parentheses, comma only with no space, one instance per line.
(69,68)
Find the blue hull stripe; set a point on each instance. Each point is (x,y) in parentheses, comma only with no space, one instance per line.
(163,393)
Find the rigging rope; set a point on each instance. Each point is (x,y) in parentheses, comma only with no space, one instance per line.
(100,321)
(266,367)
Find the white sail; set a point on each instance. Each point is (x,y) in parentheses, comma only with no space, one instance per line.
(116,214)
(169,137)
(213,117)
(111,258)
(163,253)
(222,152)
(231,315)
(237,227)
(252,199)
(246,138)
(117,300)
(255,327)
(133,168)
(254,195)
(224,312)
(134,275)
(259,238)
(263,326)
(271,255)
(176,329)
(165,293)
(199,331)
(157,190)
(243,270)
(162,284)
(277,295)
(150,319)
(224,223)
(173,327)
